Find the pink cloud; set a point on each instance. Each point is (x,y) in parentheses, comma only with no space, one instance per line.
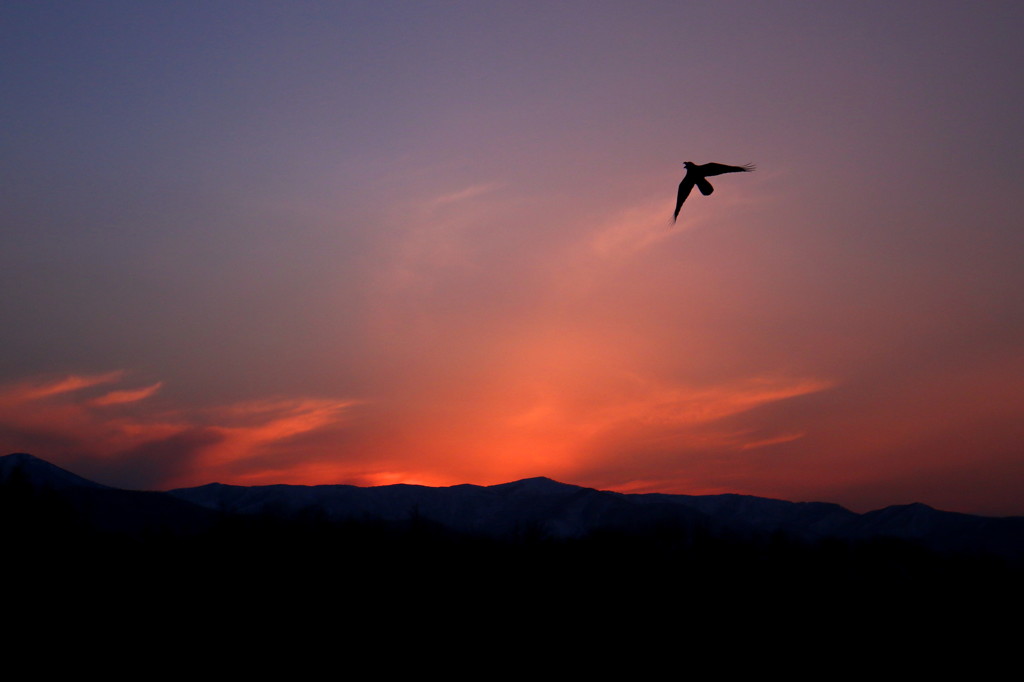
(69,384)
(127,396)
(116,435)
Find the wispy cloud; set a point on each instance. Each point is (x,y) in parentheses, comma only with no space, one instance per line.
(465,193)
(775,440)
(247,427)
(654,403)
(696,406)
(634,229)
(114,433)
(71,383)
(127,396)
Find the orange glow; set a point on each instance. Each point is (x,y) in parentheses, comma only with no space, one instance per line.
(436,244)
(56,412)
(257,424)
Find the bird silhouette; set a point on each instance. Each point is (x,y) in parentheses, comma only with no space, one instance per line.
(698,175)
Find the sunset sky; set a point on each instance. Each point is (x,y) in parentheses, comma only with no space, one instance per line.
(431,242)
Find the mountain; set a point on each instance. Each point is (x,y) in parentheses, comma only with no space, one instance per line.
(537,506)
(530,508)
(40,473)
(33,483)
(559,510)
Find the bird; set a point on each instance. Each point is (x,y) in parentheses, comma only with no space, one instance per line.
(697,174)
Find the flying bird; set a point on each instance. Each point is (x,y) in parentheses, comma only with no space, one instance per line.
(698,175)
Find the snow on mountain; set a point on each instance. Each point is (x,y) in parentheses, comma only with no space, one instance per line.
(806,520)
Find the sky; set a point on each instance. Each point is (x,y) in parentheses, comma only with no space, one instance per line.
(431,243)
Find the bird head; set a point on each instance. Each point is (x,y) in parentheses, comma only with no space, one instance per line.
(688,164)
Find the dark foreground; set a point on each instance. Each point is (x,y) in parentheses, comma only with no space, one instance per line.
(276,563)
(98,576)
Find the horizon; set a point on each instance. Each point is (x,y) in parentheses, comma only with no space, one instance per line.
(372,243)
(504,483)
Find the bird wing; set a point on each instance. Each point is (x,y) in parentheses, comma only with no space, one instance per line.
(684,191)
(719,168)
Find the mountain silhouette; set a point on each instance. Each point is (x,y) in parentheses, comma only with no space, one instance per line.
(539,506)
(95,506)
(527,554)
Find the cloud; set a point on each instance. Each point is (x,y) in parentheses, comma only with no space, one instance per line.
(470,192)
(247,427)
(634,229)
(775,440)
(116,437)
(128,396)
(69,384)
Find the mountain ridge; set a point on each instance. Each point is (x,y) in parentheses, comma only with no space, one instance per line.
(537,505)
